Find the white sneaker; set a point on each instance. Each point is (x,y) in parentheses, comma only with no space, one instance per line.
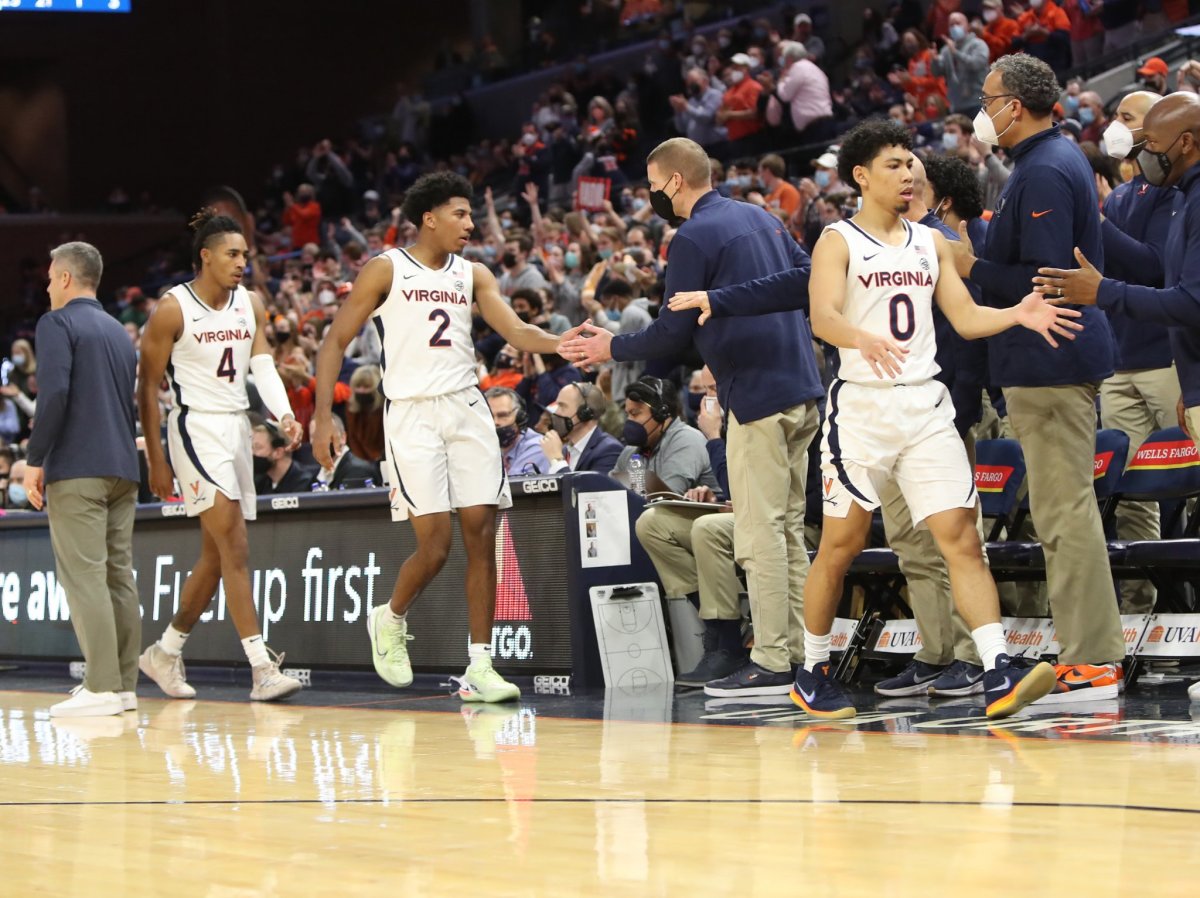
(481,683)
(128,700)
(389,647)
(167,671)
(87,704)
(1194,691)
(270,683)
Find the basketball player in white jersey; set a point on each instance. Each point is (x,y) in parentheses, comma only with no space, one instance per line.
(205,335)
(874,280)
(442,450)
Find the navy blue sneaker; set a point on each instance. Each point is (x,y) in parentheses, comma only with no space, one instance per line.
(915,679)
(820,695)
(959,679)
(750,679)
(1015,683)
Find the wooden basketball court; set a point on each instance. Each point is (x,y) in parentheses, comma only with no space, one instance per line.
(419,795)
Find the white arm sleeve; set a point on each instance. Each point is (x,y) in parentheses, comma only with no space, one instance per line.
(270,385)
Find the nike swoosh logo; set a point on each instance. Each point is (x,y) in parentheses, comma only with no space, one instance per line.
(201,318)
(476,402)
(1040,214)
(807,696)
(410,276)
(1006,685)
(869,258)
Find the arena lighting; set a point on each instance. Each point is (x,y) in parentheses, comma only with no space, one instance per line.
(65,5)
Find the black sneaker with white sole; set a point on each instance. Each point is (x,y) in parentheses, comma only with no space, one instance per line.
(715,665)
(751,679)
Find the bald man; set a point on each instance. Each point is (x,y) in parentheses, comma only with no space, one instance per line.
(1141,396)
(1170,157)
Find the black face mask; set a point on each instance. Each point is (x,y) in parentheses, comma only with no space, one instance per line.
(693,90)
(262,464)
(503,361)
(694,400)
(507,435)
(664,207)
(634,434)
(1157,166)
(525,316)
(509,260)
(561,425)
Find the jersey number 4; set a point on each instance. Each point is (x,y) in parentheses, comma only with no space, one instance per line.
(444,317)
(897,303)
(225,367)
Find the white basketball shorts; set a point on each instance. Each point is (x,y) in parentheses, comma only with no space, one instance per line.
(210,452)
(442,453)
(906,433)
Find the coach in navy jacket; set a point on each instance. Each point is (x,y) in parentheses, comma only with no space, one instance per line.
(1170,130)
(767,381)
(1048,207)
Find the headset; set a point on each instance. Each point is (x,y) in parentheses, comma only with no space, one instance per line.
(585,412)
(651,391)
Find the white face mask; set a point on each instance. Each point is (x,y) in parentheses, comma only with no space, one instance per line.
(736,75)
(1118,140)
(326,297)
(990,15)
(985,126)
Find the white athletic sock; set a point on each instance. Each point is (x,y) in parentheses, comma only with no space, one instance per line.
(256,651)
(478,653)
(816,650)
(172,640)
(396,618)
(989,640)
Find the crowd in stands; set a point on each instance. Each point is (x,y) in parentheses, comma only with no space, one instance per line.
(563,215)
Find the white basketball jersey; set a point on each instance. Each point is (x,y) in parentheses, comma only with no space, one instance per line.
(210,359)
(889,292)
(424,328)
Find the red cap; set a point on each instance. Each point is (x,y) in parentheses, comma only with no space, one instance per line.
(1154,66)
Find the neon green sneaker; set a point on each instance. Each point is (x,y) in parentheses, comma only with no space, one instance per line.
(481,683)
(389,647)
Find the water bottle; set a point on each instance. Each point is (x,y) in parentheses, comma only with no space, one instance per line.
(637,474)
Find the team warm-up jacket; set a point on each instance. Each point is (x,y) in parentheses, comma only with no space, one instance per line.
(1137,220)
(1177,304)
(1047,208)
(763,365)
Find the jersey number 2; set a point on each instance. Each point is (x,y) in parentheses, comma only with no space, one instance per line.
(898,302)
(225,367)
(444,317)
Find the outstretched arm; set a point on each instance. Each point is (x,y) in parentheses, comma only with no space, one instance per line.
(503,320)
(973,321)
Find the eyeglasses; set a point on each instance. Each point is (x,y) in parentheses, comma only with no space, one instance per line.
(983,101)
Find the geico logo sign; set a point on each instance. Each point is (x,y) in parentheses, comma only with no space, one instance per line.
(543,485)
(512,642)
(174,510)
(283,503)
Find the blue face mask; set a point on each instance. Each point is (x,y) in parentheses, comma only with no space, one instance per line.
(950,142)
(16,495)
(634,434)
(822,178)
(957,33)
(604,253)
(571,260)
(1087,115)
(1071,104)
(694,400)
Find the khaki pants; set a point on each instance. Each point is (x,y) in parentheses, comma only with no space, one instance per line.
(944,634)
(91,530)
(768,467)
(1057,430)
(1138,403)
(1193,424)
(693,552)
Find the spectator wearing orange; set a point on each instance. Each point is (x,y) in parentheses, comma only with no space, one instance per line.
(303,216)
(1087,32)
(919,82)
(1045,34)
(364,414)
(739,105)
(998,29)
(779,196)
(506,370)
(937,20)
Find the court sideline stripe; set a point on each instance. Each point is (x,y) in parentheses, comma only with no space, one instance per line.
(899,802)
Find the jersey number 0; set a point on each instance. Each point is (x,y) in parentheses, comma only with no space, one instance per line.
(898,302)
